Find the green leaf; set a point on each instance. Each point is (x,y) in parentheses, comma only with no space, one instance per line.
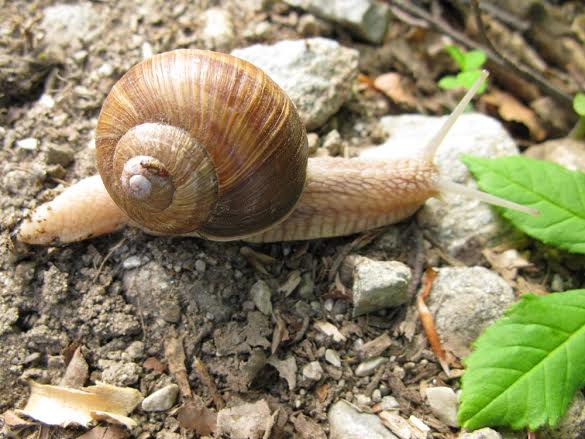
(527,366)
(449,82)
(457,55)
(468,78)
(579,104)
(473,60)
(559,195)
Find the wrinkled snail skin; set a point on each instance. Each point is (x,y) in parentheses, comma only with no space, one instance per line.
(197,143)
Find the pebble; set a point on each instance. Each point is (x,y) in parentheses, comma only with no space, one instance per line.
(368,367)
(261,295)
(443,402)
(218,30)
(376,285)
(29,144)
(332,357)
(333,143)
(363,400)
(316,73)
(161,400)
(346,422)
(567,152)
(484,433)
(387,403)
(59,155)
(464,301)
(330,331)
(307,286)
(313,371)
(65,25)
(250,420)
(376,395)
(200,265)
(119,373)
(454,222)
(366,19)
(131,262)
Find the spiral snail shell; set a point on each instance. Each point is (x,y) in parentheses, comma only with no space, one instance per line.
(199,143)
(193,140)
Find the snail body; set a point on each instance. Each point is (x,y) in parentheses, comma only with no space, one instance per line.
(199,143)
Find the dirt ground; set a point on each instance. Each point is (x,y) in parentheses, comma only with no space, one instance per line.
(123,297)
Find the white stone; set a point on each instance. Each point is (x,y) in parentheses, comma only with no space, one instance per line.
(369,367)
(443,402)
(261,295)
(313,371)
(161,400)
(218,29)
(30,144)
(330,330)
(346,422)
(332,357)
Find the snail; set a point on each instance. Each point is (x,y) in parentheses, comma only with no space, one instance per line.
(199,143)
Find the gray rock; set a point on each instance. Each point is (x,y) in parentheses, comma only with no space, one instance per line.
(369,367)
(218,29)
(59,154)
(313,371)
(484,433)
(376,285)
(387,403)
(161,400)
(65,25)
(246,421)
(316,73)
(567,152)
(332,357)
(8,317)
(444,404)
(119,373)
(366,19)
(346,422)
(455,221)
(464,301)
(260,294)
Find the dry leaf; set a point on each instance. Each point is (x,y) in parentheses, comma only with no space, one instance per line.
(195,416)
(512,110)
(153,363)
(391,85)
(307,428)
(506,263)
(54,405)
(105,432)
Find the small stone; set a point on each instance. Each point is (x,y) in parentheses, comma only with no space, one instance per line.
(313,141)
(29,144)
(135,350)
(261,295)
(333,143)
(332,357)
(376,285)
(131,262)
(369,367)
(376,395)
(307,286)
(443,402)
(119,373)
(200,265)
(363,400)
(218,31)
(387,403)
(313,371)
(161,400)
(330,331)
(250,420)
(346,422)
(59,155)
(366,19)
(484,433)
(311,26)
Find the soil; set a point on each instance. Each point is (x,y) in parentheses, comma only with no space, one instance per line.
(122,297)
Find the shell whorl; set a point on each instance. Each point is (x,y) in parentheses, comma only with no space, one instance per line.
(197,141)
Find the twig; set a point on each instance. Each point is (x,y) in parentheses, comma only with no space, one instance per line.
(521,70)
(427,322)
(494,56)
(110,253)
